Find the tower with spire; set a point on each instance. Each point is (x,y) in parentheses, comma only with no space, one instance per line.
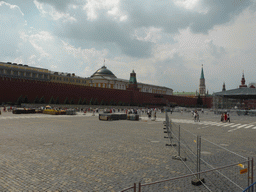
(202,88)
(133,80)
(242,82)
(224,87)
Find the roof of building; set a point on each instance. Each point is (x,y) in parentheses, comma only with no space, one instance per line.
(244,92)
(103,71)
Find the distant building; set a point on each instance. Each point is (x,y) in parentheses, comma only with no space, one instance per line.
(104,78)
(243,97)
(20,81)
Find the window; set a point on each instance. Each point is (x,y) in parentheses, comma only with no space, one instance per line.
(15,73)
(21,74)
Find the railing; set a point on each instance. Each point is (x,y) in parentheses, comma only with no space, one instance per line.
(205,168)
(251,188)
(133,188)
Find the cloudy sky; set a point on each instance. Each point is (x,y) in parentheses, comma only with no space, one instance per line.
(165,42)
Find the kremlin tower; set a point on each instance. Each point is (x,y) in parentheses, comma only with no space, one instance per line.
(202,88)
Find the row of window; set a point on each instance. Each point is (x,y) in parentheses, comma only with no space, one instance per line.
(105,85)
(66,79)
(24,74)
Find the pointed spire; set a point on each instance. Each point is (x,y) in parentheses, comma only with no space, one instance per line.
(242,81)
(202,73)
(224,87)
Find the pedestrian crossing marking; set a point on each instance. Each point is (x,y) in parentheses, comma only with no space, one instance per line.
(228,124)
(235,125)
(249,126)
(242,126)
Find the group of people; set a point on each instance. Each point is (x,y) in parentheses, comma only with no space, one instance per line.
(151,113)
(225,117)
(196,116)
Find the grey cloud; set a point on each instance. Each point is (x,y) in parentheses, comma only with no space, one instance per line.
(160,14)
(216,51)
(107,32)
(167,15)
(219,12)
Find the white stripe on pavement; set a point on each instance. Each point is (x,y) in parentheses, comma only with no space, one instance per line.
(229,124)
(242,126)
(249,126)
(235,125)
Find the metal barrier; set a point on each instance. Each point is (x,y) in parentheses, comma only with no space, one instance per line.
(133,188)
(215,181)
(251,188)
(199,154)
(206,170)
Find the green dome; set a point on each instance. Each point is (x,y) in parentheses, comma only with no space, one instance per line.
(103,71)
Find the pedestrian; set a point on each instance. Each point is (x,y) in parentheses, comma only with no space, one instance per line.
(225,117)
(228,117)
(222,117)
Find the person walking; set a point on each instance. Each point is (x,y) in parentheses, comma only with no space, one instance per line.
(225,117)
(228,117)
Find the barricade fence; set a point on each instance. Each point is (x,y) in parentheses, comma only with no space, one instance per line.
(206,170)
(251,188)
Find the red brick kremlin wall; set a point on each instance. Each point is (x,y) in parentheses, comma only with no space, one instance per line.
(11,89)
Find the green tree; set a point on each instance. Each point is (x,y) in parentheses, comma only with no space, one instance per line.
(20,100)
(84,102)
(96,102)
(111,102)
(51,100)
(72,101)
(36,100)
(102,102)
(42,100)
(91,102)
(66,101)
(120,103)
(199,101)
(26,99)
(80,101)
(57,101)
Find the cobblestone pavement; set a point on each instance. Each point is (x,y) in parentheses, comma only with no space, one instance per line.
(80,153)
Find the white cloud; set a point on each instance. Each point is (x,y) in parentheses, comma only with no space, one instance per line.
(12,7)
(151,34)
(48,10)
(93,7)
